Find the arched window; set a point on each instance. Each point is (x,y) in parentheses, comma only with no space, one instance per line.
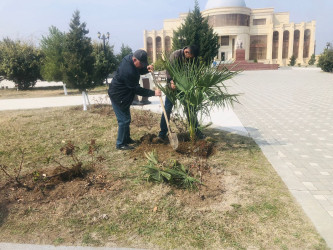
(296,43)
(307,35)
(150,48)
(158,47)
(167,41)
(275,50)
(285,44)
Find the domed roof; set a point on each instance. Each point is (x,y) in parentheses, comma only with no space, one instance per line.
(224,3)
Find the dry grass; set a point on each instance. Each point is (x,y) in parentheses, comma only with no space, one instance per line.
(46,92)
(243,205)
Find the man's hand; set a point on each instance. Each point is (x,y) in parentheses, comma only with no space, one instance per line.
(158,92)
(150,68)
(172,85)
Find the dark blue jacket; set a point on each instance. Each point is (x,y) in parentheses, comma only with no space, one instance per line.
(125,84)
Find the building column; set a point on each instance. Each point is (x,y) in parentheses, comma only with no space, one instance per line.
(312,39)
(154,45)
(301,44)
(280,49)
(270,44)
(291,41)
(163,43)
(145,40)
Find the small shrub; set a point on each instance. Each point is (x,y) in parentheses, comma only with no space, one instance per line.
(292,61)
(312,60)
(325,61)
(16,177)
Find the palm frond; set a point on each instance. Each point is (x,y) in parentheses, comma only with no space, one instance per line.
(200,88)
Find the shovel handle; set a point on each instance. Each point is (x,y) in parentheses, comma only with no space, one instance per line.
(162,104)
(165,114)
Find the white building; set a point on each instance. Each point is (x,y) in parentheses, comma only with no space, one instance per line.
(266,36)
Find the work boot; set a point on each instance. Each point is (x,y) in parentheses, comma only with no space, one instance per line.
(145,102)
(136,103)
(124,147)
(130,141)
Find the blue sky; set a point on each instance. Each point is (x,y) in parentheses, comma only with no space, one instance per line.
(126,19)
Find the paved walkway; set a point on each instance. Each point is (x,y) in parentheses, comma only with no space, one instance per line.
(290,115)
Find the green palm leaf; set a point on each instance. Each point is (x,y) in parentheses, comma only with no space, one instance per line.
(200,88)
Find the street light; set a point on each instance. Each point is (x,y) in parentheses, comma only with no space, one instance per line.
(104,37)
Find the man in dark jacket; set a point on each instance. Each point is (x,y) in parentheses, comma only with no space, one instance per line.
(180,56)
(124,86)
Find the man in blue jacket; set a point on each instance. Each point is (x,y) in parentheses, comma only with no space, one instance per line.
(124,86)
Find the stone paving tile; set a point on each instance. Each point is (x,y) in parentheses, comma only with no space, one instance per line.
(292,123)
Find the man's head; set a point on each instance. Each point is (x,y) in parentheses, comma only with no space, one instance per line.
(140,59)
(191,51)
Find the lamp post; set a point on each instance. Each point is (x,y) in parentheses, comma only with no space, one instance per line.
(104,37)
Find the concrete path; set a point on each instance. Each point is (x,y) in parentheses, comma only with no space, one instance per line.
(47,102)
(289,113)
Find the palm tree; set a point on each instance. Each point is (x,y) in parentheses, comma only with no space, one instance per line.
(200,88)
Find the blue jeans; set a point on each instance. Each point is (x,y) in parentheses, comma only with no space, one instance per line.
(163,125)
(124,120)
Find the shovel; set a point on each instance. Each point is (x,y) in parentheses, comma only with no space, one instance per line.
(172,136)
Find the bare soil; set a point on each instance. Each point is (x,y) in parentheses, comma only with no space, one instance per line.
(57,182)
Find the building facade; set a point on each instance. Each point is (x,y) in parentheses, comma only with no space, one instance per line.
(266,36)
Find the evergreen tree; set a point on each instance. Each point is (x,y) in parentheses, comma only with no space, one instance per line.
(312,60)
(105,62)
(124,51)
(79,61)
(196,30)
(52,47)
(292,61)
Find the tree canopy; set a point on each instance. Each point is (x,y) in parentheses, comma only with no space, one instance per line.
(20,63)
(124,51)
(325,61)
(52,47)
(105,62)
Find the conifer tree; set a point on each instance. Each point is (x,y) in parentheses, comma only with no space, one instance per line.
(312,60)
(105,62)
(52,47)
(292,60)
(196,30)
(124,51)
(79,61)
